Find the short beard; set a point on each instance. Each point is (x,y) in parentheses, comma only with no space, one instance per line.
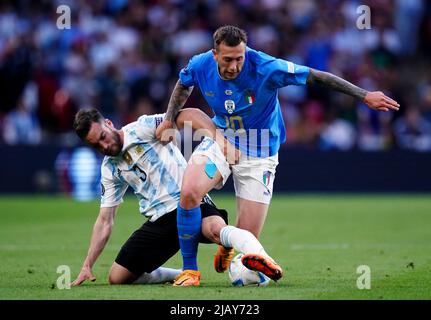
(115,150)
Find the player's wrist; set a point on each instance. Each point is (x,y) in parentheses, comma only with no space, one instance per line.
(366,96)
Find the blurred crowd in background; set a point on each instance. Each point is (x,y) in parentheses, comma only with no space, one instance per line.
(123,57)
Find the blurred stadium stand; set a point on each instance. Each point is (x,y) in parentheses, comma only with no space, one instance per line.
(123,56)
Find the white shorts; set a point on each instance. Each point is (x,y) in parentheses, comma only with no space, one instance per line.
(253,177)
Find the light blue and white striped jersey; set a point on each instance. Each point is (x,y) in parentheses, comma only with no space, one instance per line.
(153,170)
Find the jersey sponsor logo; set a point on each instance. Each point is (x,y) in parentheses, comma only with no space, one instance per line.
(209,93)
(229,105)
(228,92)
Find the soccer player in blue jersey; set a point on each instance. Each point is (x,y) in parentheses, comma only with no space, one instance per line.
(241,86)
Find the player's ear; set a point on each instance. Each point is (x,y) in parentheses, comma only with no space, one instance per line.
(214,54)
(109,123)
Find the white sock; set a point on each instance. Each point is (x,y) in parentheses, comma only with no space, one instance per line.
(241,240)
(160,275)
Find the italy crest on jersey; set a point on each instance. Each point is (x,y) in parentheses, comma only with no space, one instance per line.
(229,105)
(266,178)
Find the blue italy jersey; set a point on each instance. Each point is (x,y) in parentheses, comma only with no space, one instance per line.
(247,106)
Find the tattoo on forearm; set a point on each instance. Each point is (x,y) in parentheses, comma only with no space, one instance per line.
(178,99)
(333,82)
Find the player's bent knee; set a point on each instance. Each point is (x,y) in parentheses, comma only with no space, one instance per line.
(113,279)
(211,227)
(120,279)
(120,275)
(190,197)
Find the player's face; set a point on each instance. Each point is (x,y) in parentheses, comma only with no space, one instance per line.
(105,138)
(230,60)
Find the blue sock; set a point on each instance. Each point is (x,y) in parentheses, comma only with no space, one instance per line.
(189,230)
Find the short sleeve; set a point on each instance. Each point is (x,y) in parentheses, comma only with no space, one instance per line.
(284,73)
(188,73)
(147,125)
(113,188)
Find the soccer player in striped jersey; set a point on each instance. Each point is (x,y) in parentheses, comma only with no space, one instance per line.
(135,158)
(241,87)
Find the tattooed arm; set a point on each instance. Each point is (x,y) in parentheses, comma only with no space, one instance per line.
(178,99)
(179,96)
(375,100)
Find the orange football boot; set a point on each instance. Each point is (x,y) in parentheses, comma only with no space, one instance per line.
(222,258)
(187,278)
(264,264)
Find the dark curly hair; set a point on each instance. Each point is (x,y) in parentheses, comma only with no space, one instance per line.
(83,120)
(230,36)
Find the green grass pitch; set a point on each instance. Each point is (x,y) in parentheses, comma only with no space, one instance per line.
(319,240)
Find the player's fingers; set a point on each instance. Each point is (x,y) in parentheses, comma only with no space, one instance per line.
(392,101)
(390,106)
(158,133)
(90,276)
(393,106)
(169,138)
(237,156)
(77,282)
(383,109)
(161,130)
(382,106)
(166,138)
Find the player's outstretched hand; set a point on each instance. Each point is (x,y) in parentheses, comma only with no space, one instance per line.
(163,134)
(379,101)
(85,274)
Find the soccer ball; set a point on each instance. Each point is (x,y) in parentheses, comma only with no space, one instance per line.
(240,276)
